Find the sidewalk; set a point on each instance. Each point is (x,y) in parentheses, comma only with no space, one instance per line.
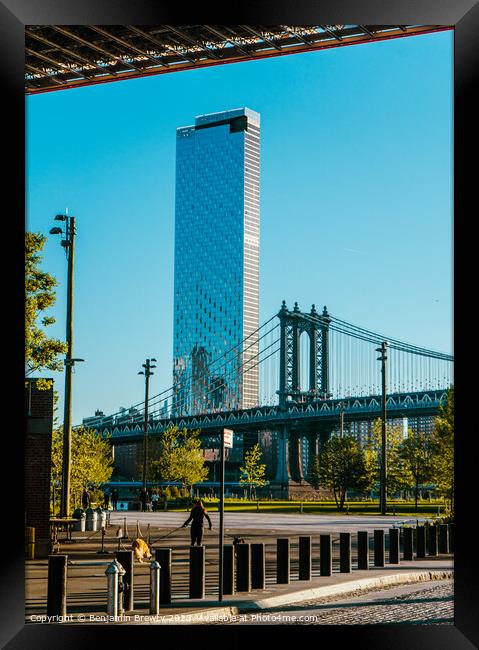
(187,611)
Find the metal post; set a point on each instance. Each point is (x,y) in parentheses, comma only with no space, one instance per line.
(379,548)
(443,542)
(69,244)
(363,550)
(243,567)
(420,542)
(147,372)
(394,546)
(432,540)
(282,561)
(408,543)
(154,587)
(163,557)
(257,566)
(125,558)
(197,572)
(345,561)
(304,558)
(57,585)
(222,515)
(383,478)
(228,570)
(325,555)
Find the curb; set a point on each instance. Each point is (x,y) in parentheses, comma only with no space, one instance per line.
(306,594)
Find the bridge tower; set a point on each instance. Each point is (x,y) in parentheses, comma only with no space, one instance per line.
(289,468)
(292,325)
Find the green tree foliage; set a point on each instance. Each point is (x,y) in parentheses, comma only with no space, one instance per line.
(177,457)
(91,460)
(443,451)
(253,472)
(416,454)
(398,476)
(41,352)
(340,466)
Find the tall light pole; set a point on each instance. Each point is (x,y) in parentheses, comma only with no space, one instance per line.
(147,372)
(383,478)
(68,243)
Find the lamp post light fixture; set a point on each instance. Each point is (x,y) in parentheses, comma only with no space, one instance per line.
(383,478)
(68,243)
(147,372)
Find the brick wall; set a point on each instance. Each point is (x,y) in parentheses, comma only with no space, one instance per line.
(38,458)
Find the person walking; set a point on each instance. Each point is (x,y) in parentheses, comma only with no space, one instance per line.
(143,499)
(106,500)
(197,515)
(154,501)
(85,499)
(114,499)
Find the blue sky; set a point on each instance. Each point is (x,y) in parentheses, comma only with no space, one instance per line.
(356,199)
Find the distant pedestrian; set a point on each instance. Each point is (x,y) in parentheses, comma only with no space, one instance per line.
(114,499)
(154,500)
(197,515)
(143,499)
(106,500)
(85,499)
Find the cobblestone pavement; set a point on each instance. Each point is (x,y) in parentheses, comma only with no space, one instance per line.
(419,604)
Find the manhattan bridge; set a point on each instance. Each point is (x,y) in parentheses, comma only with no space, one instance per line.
(316,371)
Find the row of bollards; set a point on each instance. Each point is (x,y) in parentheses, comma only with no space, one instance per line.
(244,565)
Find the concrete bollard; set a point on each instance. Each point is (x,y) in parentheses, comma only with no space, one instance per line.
(282,561)
(325,555)
(163,557)
(228,570)
(363,550)
(305,558)
(57,585)
(91,519)
(379,548)
(420,542)
(125,558)
(154,587)
(443,539)
(345,560)
(115,588)
(197,571)
(258,567)
(394,546)
(431,539)
(408,543)
(243,567)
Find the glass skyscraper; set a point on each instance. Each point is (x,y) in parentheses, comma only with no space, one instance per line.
(216,302)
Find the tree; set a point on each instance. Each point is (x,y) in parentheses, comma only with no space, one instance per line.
(443,451)
(397,473)
(253,473)
(416,454)
(340,465)
(315,474)
(177,457)
(41,352)
(92,459)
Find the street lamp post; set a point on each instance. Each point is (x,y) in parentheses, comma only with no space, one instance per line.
(68,243)
(383,478)
(147,372)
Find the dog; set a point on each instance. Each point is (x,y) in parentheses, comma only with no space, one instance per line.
(141,550)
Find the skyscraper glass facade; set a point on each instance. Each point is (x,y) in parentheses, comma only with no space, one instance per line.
(216,301)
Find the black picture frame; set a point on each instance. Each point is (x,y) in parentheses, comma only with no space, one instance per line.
(14,15)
